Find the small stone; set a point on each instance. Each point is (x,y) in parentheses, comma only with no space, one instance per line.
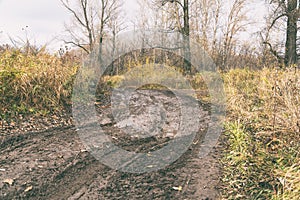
(170,135)
(8,181)
(105,121)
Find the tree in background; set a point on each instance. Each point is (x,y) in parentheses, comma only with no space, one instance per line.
(287,11)
(92,19)
(184,29)
(214,24)
(205,22)
(236,22)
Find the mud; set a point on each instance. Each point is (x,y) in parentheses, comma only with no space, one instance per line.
(56,164)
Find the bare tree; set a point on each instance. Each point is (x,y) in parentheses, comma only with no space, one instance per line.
(82,31)
(109,12)
(90,20)
(115,25)
(236,23)
(184,29)
(205,23)
(289,10)
(216,24)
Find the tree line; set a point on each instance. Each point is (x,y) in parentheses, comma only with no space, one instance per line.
(217,25)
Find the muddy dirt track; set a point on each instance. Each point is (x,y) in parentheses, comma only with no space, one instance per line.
(55,164)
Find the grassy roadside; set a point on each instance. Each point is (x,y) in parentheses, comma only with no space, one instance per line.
(262,156)
(36,84)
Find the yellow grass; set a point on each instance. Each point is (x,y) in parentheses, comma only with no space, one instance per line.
(33,83)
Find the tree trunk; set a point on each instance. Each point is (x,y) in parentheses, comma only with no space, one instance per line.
(291,34)
(101,31)
(186,32)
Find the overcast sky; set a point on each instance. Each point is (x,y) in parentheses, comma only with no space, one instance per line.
(45,19)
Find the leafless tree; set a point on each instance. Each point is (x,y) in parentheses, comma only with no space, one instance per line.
(181,13)
(115,25)
(236,22)
(205,22)
(81,31)
(90,21)
(289,12)
(216,24)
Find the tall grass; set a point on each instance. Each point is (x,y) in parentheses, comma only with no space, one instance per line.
(262,157)
(33,83)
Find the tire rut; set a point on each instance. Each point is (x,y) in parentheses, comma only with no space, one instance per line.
(54,164)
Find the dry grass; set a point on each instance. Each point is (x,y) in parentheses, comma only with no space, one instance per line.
(263,117)
(33,83)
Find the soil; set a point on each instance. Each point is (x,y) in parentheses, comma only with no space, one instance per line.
(54,163)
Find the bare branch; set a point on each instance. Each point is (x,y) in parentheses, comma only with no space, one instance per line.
(274,52)
(90,22)
(73,12)
(277,18)
(78,45)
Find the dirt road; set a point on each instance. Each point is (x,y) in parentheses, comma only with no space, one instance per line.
(55,164)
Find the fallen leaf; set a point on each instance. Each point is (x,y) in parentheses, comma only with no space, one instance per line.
(28,189)
(177,188)
(8,181)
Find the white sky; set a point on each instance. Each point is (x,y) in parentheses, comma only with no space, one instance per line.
(45,19)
